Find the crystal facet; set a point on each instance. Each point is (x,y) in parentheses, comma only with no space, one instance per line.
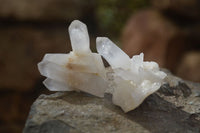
(112,53)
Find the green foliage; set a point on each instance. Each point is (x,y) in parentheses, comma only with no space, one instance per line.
(112,14)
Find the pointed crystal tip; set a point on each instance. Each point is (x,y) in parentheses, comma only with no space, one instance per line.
(112,53)
(76,24)
(103,45)
(79,37)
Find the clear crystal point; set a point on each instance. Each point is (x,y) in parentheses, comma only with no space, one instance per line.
(79,37)
(113,54)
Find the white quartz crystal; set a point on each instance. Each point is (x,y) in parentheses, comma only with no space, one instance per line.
(80,70)
(134,78)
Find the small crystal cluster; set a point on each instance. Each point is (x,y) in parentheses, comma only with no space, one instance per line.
(135,79)
(82,70)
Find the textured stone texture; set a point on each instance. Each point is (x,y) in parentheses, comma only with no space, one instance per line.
(174,108)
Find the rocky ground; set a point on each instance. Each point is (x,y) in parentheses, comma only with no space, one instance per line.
(29,29)
(174,108)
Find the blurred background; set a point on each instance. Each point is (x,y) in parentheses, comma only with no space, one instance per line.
(167,31)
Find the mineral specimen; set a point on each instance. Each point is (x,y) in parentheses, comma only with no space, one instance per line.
(134,78)
(80,70)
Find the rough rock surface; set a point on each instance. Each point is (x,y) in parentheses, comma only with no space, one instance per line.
(174,108)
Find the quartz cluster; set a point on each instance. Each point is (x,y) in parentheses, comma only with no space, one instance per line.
(82,70)
(135,78)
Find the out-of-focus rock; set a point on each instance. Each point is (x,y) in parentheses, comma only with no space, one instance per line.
(151,33)
(45,9)
(112,14)
(174,108)
(187,8)
(22,48)
(189,67)
(14,109)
